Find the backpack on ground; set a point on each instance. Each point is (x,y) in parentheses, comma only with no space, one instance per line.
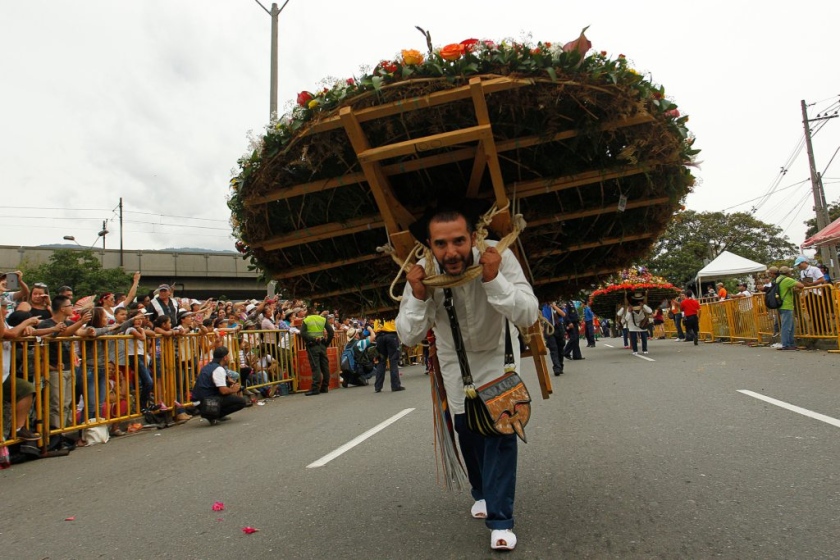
(773,296)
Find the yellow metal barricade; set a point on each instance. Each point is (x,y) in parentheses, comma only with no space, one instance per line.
(816,312)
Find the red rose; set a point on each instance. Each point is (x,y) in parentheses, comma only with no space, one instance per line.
(304,98)
(672,113)
(469,44)
(351,82)
(452,52)
(388,66)
(489,44)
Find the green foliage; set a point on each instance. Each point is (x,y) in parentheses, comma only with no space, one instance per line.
(81,270)
(833,214)
(695,238)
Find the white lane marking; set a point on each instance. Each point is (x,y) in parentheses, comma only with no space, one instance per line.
(645,358)
(357,440)
(799,410)
(609,345)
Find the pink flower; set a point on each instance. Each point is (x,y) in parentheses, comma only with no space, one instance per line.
(672,113)
(581,44)
(249,530)
(218,506)
(351,82)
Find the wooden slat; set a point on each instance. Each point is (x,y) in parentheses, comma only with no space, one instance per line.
(352,289)
(597,211)
(307,188)
(536,187)
(325,266)
(488,143)
(421,102)
(479,163)
(396,217)
(317,233)
(528,141)
(437,159)
(564,277)
(419,145)
(593,245)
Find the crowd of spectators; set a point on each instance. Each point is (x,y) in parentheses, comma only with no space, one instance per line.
(132,360)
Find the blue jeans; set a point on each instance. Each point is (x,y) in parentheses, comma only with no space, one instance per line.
(786,316)
(491,468)
(95,377)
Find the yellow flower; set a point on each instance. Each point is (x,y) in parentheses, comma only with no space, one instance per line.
(411,56)
(314,103)
(632,71)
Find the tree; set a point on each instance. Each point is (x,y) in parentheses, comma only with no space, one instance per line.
(695,238)
(80,270)
(833,214)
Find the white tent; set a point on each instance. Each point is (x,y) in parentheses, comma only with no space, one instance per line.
(729,264)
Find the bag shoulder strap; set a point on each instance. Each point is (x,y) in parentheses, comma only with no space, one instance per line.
(458,340)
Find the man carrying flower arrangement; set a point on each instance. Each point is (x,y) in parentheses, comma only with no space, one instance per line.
(499,295)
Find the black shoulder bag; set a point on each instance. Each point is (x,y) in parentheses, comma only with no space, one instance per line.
(500,407)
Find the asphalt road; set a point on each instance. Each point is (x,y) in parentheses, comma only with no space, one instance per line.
(630,458)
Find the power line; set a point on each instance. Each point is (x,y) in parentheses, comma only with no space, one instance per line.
(762,196)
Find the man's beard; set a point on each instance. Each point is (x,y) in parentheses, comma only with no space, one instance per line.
(464,262)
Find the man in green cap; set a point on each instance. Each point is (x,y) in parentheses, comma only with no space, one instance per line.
(317,335)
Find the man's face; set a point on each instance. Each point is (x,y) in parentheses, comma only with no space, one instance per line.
(451,244)
(163,294)
(802,266)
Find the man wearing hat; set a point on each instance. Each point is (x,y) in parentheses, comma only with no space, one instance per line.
(164,304)
(816,313)
(212,383)
(787,287)
(317,335)
(499,295)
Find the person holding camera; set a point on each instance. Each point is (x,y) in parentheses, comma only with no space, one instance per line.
(216,393)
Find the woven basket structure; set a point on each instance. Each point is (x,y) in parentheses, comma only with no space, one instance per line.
(593,155)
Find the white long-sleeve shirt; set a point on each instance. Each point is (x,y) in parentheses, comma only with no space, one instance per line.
(481,308)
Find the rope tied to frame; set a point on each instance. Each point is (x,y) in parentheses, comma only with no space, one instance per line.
(434,280)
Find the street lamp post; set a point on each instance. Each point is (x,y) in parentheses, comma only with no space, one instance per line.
(274,13)
(73,239)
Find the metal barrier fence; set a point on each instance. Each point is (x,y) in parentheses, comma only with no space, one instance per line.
(816,317)
(83,382)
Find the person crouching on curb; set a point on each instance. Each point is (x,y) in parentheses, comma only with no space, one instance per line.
(212,383)
(501,293)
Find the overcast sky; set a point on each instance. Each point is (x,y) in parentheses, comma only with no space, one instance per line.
(152,101)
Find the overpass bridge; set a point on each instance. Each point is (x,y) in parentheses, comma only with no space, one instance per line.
(191,273)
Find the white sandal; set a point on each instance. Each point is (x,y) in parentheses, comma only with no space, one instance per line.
(502,539)
(479,509)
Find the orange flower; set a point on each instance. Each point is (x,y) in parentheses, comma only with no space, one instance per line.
(411,56)
(452,52)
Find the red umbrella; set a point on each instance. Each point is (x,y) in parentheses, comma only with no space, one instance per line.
(829,235)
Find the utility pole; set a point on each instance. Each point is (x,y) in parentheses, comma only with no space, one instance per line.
(121,233)
(274,13)
(828,253)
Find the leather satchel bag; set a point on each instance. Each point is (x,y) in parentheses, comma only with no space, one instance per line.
(500,407)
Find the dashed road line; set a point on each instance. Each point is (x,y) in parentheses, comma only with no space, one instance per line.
(793,408)
(357,440)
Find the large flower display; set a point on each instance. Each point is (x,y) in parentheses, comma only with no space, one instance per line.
(631,282)
(593,154)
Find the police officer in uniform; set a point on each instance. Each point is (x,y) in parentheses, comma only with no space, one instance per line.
(317,335)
